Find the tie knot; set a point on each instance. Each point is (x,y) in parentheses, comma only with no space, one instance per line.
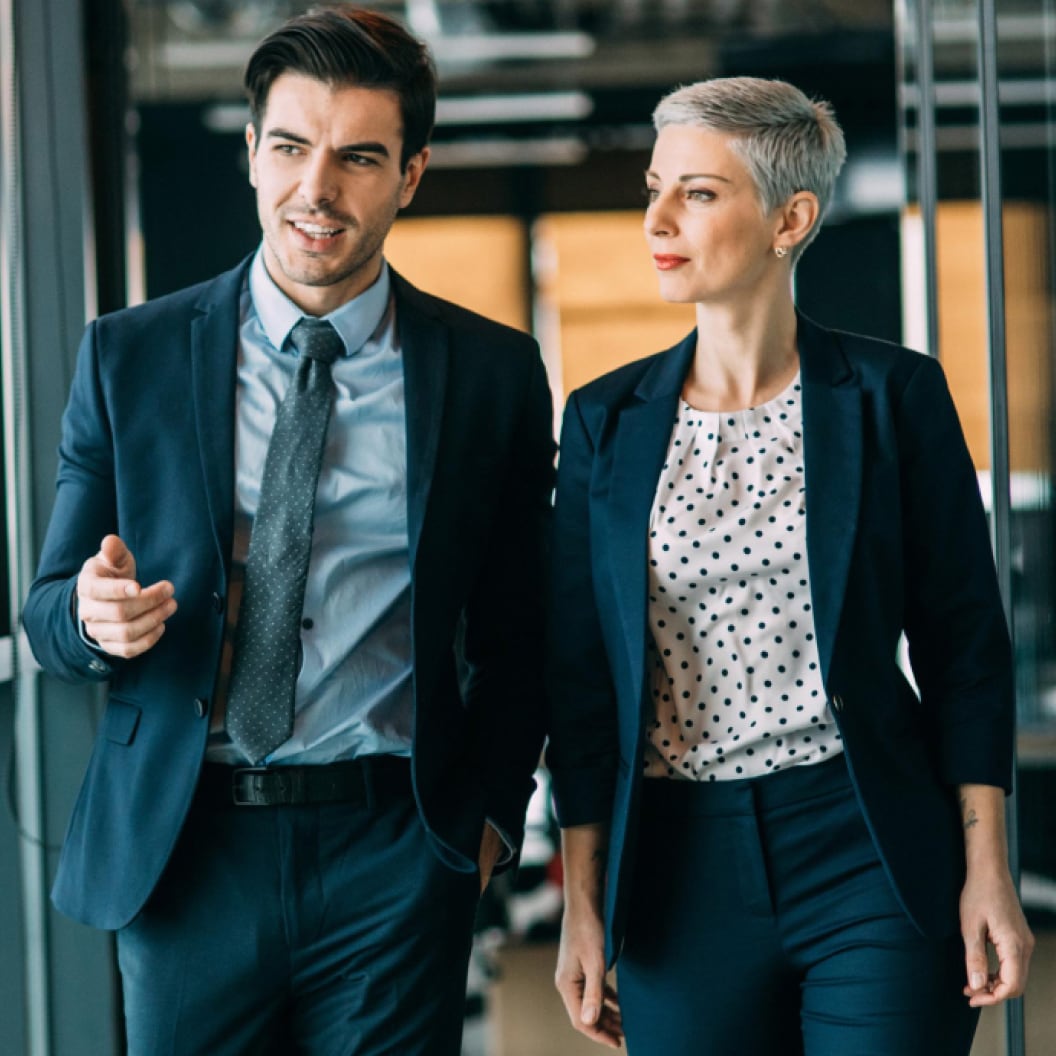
(317,339)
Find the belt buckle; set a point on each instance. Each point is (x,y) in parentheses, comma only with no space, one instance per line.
(248,787)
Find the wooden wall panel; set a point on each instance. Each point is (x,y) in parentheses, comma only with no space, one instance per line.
(963,328)
(480,262)
(595,279)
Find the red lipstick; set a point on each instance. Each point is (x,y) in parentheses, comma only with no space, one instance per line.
(666,261)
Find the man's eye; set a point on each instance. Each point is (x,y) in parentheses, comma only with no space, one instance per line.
(359,159)
(287,148)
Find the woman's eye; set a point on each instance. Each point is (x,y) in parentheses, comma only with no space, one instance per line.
(650,194)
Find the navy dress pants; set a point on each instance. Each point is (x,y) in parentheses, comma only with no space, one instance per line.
(330,930)
(762,923)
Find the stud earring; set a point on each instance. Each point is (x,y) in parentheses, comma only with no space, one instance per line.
(780,252)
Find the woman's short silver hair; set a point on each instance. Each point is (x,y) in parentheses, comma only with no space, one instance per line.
(788,142)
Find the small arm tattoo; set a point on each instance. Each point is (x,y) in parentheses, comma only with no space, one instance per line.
(971,819)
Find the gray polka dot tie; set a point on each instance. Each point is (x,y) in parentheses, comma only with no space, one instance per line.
(267,638)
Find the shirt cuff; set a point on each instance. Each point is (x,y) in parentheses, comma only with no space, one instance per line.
(81,632)
(510,850)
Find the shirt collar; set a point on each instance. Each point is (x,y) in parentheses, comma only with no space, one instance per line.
(354,321)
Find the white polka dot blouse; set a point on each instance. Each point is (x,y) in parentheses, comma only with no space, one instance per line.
(735,680)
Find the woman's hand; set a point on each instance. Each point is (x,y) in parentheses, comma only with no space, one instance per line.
(990,913)
(990,909)
(591,1003)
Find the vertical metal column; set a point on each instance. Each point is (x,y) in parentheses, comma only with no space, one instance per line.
(927,165)
(32,853)
(1000,521)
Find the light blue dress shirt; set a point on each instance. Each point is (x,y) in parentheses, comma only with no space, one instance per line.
(354,694)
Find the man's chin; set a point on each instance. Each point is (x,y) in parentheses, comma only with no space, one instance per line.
(328,275)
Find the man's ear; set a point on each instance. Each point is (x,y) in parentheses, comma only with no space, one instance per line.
(412,176)
(251,152)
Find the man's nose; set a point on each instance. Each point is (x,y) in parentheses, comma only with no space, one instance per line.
(318,182)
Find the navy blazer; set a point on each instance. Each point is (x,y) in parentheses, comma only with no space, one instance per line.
(147,451)
(897,541)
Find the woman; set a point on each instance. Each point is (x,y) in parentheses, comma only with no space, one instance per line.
(789,851)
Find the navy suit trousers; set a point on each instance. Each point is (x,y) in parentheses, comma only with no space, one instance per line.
(762,923)
(330,930)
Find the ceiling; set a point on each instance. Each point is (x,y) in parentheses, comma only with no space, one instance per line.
(197,48)
(531,82)
(528,81)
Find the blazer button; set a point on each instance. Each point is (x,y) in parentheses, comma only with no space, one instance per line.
(218,603)
(837,702)
(97,665)
(201,707)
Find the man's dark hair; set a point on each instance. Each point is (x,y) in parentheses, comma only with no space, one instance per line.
(345,46)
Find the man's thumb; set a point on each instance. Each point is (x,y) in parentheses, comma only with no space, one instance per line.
(117,557)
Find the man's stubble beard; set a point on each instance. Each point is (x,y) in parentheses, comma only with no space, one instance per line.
(370,242)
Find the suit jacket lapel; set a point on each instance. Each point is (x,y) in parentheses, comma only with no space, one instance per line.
(643,431)
(423,341)
(214,359)
(832,430)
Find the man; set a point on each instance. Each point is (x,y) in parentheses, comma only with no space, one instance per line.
(288,824)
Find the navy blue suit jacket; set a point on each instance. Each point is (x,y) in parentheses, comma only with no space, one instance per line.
(147,451)
(896,541)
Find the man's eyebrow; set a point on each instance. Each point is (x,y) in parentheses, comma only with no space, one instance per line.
(367,147)
(282,133)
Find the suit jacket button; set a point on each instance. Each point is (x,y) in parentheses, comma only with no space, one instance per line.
(97,665)
(201,707)
(218,603)
(837,702)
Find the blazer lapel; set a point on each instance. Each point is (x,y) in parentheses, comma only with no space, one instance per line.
(423,341)
(214,358)
(832,431)
(642,434)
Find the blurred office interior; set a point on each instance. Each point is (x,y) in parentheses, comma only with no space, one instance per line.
(124,177)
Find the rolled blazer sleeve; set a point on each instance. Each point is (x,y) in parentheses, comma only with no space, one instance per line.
(958,640)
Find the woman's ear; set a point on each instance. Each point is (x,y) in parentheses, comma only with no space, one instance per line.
(798,217)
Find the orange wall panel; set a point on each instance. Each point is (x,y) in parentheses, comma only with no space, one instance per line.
(480,262)
(596,279)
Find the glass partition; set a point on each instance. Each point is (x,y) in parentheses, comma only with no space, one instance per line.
(995,337)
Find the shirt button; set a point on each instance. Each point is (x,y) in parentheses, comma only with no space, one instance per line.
(837,702)
(201,706)
(218,602)
(307,623)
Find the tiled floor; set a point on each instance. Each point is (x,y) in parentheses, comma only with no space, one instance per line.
(527,1018)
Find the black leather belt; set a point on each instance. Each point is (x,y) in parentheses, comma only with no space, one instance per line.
(362,782)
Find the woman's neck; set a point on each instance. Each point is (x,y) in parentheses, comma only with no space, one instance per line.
(746,355)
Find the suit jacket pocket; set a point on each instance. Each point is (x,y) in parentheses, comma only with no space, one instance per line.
(120,721)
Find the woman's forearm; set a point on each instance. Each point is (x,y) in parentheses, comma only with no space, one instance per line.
(983,821)
(990,909)
(584,849)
